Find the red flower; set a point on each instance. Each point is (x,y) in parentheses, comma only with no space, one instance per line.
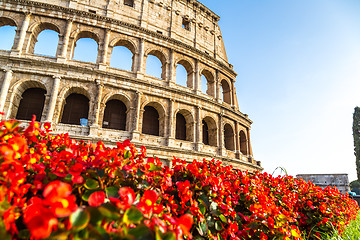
(58,196)
(96,199)
(127,197)
(185,223)
(148,202)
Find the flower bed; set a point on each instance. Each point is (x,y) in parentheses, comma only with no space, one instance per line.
(53,186)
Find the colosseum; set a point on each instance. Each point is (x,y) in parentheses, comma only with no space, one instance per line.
(97,101)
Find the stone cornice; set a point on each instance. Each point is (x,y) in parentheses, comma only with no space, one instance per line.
(76,12)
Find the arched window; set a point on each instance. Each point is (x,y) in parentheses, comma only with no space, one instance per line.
(229,137)
(7,33)
(243,143)
(184,74)
(47,43)
(181,75)
(76,107)
(86,47)
(32,103)
(180,127)
(154,66)
(207,83)
(150,124)
(210,131)
(115,115)
(129,3)
(204,83)
(121,58)
(205,132)
(226,91)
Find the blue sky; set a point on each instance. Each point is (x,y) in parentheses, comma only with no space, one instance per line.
(298,65)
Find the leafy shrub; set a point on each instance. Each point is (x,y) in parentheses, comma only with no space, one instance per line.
(56,187)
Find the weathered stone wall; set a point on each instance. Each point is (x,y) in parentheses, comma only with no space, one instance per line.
(341,181)
(148,28)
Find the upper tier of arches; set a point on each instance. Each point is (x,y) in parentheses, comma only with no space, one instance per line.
(136,55)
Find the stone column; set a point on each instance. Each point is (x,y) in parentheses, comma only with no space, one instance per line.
(65,42)
(172,69)
(23,31)
(140,70)
(135,135)
(197,79)
(237,141)
(233,95)
(5,88)
(144,13)
(250,153)
(221,135)
(100,89)
(171,131)
(94,128)
(198,130)
(103,63)
(53,99)
(217,87)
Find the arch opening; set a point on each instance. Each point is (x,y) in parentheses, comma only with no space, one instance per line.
(115,115)
(150,124)
(76,107)
(154,66)
(243,143)
(86,47)
(122,58)
(229,137)
(7,34)
(180,130)
(205,133)
(226,91)
(210,131)
(207,83)
(47,43)
(31,103)
(184,74)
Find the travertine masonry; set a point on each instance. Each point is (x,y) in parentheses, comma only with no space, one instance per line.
(181,32)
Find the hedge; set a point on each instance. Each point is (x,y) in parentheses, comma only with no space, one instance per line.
(52,186)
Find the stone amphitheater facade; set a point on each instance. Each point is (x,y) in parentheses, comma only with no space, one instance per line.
(170,120)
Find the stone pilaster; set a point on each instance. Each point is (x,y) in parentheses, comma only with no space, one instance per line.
(65,42)
(171,132)
(103,64)
(198,130)
(5,88)
(136,123)
(140,69)
(53,99)
(22,34)
(237,140)
(221,135)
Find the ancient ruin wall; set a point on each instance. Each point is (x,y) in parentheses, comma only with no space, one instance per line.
(174,31)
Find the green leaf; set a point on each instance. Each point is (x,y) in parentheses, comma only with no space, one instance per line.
(153,167)
(109,211)
(223,218)
(218,226)
(202,229)
(95,215)
(91,183)
(141,232)
(132,215)
(202,207)
(80,219)
(205,199)
(169,236)
(127,154)
(112,192)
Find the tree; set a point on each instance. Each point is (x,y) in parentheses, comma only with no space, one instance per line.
(356,135)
